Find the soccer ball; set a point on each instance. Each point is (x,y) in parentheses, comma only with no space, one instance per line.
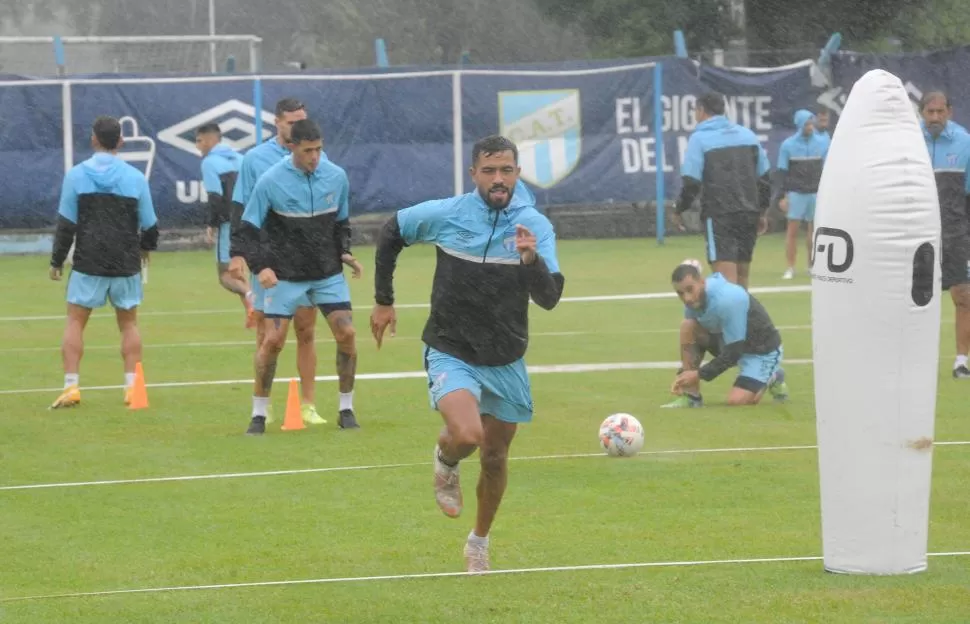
(621,435)
(694,262)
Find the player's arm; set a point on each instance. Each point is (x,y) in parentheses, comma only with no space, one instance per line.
(218,206)
(240,193)
(250,225)
(781,174)
(66,223)
(420,223)
(764,180)
(543,276)
(691,173)
(341,228)
(147,219)
(733,311)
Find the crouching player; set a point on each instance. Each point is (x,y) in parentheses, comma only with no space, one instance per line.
(726,320)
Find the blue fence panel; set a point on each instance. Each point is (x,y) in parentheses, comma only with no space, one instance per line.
(31,154)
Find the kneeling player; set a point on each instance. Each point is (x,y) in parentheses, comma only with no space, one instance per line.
(725,319)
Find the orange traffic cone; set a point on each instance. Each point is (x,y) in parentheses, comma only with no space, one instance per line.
(293,420)
(139,393)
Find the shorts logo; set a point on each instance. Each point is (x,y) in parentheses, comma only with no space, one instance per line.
(235,119)
(546,127)
(439,382)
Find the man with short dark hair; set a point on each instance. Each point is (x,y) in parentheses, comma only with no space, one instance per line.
(727,166)
(254,164)
(106,211)
(725,319)
(495,251)
(949,151)
(220,166)
(822,117)
(302,204)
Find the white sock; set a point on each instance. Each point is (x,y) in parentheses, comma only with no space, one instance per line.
(474,539)
(129,379)
(71,379)
(346,400)
(961,361)
(259,406)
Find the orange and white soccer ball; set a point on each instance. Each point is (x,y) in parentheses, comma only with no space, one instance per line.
(621,435)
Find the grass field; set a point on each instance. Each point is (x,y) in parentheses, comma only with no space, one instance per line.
(713,490)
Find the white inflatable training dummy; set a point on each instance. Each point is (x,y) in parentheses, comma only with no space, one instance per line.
(876,333)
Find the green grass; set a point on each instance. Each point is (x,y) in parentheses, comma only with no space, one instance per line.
(558,511)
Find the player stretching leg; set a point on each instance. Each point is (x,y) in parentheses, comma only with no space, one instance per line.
(749,338)
(302,206)
(255,163)
(495,250)
(220,166)
(106,211)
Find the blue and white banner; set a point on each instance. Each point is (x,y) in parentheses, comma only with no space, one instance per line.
(585,130)
(944,70)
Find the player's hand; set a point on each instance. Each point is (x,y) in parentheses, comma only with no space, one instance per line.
(209,237)
(236,266)
(145,257)
(783,204)
(763,225)
(267,278)
(678,220)
(381,318)
(685,380)
(354,264)
(525,244)
(55,273)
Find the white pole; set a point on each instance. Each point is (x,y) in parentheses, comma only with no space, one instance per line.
(212,32)
(457,130)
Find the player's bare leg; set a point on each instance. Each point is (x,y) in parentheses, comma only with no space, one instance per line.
(131,346)
(72,349)
(266,359)
(342,326)
(237,286)
(809,232)
(961,298)
(693,339)
(462,434)
(743,274)
(791,246)
(304,326)
(492,481)
(729,270)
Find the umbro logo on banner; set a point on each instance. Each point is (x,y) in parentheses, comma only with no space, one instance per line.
(235,119)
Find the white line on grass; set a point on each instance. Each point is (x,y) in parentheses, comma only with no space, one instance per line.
(589,299)
(251,342)
(534,370)
(431,575)
(275,473)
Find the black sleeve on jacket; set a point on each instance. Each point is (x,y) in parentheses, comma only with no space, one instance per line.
(389,246)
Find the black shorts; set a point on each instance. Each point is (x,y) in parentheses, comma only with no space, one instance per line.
(731,237)
(955,263)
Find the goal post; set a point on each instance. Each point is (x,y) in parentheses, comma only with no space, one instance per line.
(196,54)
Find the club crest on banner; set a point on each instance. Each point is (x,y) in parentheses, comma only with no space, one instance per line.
(546,126)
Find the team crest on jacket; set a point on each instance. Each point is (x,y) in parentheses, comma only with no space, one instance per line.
(509,243)
(546,127)
(952,159)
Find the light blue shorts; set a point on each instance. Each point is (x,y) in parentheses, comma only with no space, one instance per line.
(758,369)
(801,206)
(501,391)
(222,244)
(282,300)
(259,293)
(93,291)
